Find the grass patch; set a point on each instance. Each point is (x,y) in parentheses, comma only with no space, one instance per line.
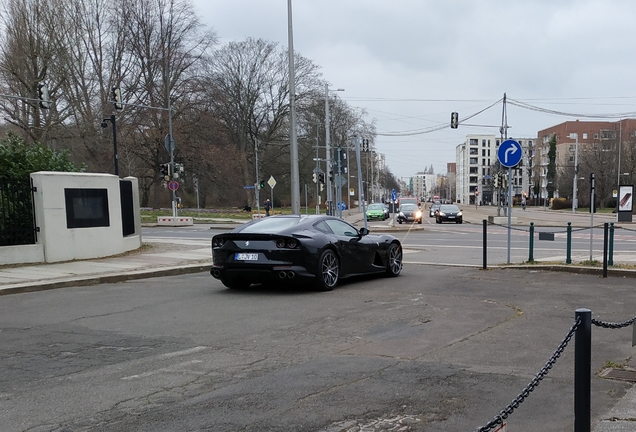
(150,215)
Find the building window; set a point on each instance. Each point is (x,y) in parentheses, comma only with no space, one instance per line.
(483,143)
(483,161)
(473,161)
(473,179)
(474,142)
(572,160)
(474,151)
(483,152)
(474,170)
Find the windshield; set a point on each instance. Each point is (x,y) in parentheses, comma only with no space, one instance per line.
(408,207)
(449,208)
(376,207)
(271,225)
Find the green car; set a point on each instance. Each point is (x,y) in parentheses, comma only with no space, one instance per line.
(376,211)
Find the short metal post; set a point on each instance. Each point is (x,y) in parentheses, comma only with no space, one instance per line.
(610,259)
(485,224)
(582,370)
(531,254)
(568,258)
(605,241)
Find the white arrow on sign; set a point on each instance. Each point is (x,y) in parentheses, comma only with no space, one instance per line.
(511,150)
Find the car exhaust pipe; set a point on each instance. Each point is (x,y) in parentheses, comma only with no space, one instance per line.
(291,274)
(282,275)
(216,273)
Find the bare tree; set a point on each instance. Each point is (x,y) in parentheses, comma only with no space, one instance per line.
(250,95)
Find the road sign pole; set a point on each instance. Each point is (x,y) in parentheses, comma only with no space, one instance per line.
(509,155)
(509,209)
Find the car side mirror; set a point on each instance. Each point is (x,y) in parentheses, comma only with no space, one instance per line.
(363,231)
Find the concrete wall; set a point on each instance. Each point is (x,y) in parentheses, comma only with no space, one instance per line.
(56,241)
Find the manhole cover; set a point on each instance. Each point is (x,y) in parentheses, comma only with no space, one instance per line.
(619,374)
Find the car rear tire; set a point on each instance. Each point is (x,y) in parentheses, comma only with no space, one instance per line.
(235,283)
(394,261)
(328,273)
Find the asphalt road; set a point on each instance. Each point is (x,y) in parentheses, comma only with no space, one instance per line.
(437,349)
(461,244)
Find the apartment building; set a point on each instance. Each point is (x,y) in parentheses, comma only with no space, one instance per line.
(586,133)
(476,164)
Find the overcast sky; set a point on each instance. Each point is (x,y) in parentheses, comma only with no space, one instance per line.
(409,63)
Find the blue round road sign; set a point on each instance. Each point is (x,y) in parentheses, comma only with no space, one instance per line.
(509,153)
(342,205)
(393,195)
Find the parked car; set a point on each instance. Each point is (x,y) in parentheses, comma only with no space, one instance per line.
(376,211)
(387,213)
(434,208)
(409,213)
(449,213)
(296,249)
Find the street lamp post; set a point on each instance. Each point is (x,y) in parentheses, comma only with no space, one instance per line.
(576,171)
(295,178)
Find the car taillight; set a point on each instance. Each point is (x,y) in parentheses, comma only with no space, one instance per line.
(218,242)
(287,243)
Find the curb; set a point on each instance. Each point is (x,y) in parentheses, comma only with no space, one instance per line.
(97,280)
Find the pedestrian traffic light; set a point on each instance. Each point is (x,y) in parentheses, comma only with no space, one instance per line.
(43,95)
(315,178)
(261,184)
(117,98)
(454,120)
(321,177)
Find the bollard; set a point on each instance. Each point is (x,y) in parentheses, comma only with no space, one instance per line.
(610,260)
(485,223)
(531,247)
(582,370)
(605,241)
(568,258)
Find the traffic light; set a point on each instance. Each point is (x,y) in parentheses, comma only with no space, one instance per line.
(261,184)
(117,103)
(321,178)
(322,187)
(496,180)
(454,120)
(315,178)
(43,95)
(165,171)
(331,176)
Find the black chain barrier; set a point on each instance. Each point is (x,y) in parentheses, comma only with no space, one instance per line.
(624,228)
(611,325)
(503,414)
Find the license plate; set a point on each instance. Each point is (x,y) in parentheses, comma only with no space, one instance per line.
(451,217)
(246,257)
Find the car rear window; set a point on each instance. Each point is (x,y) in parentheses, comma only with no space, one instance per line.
(271,225)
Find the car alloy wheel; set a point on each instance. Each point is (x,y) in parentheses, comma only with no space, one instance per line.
(394,266)
(328,271)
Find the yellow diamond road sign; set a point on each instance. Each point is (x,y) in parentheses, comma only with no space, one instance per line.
(271,182)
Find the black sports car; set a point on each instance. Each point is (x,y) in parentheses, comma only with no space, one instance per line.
(300,248)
